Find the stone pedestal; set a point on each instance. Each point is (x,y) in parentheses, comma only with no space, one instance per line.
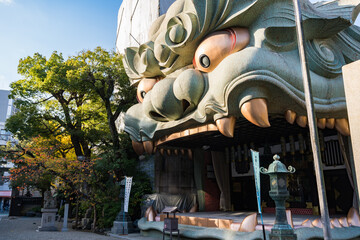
(122,228)
(48,219)
(286,233)
(122,224)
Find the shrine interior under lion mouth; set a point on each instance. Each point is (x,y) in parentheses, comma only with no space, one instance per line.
(221,79)
(178,171)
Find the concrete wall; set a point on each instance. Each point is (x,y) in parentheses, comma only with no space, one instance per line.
(147,165)
(351,75)
(134,21)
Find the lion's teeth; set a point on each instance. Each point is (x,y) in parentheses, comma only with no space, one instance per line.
(148,146)
(301,121)
(290,116)
(342,125)
(226,126)
(321,123)
(138,147)
(330,123)
(256,112)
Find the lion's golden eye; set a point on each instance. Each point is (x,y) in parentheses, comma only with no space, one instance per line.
(145,85)
(217,46)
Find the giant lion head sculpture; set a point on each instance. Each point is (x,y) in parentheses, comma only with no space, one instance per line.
(211,62)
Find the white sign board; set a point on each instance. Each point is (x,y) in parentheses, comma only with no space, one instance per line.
(128,183)
(256,164)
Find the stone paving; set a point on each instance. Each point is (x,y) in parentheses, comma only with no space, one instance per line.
(23,228)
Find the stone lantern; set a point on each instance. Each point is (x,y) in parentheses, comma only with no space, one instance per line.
(279,193)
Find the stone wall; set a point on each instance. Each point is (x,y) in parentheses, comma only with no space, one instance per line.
(147,165)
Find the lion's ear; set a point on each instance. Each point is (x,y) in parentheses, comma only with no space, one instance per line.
(345,9)
(338,15)
(282,38)
(140,62)
(128,62)
(324,28)
(349,43)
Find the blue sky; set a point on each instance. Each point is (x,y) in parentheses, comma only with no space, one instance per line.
(68,26)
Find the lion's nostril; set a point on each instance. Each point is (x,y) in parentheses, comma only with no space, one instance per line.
(185,104)
(157,116)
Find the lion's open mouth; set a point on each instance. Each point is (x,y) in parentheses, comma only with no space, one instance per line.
(243,132)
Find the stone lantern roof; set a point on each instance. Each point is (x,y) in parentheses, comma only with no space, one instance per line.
(277,167)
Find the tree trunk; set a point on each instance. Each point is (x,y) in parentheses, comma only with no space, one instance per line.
(93,227)
(113,129)
(114,135)
(77,146)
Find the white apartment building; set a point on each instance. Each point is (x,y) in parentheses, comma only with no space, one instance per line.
(6,110)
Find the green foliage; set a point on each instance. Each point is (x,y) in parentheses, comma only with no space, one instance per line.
(36,209)
(53,103)
(107,213)
(72,105)
(61,211)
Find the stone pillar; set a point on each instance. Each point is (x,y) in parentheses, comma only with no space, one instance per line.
(66,214)
(351,76)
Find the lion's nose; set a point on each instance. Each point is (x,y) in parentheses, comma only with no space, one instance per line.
(188,88)
(161,104)
(170,98)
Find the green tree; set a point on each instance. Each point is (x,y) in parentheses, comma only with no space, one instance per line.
(74,105)
(104,76)
(51,103)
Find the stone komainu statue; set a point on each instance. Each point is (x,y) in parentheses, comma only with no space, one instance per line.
(49,200)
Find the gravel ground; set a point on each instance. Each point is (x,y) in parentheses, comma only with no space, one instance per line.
(22,228)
